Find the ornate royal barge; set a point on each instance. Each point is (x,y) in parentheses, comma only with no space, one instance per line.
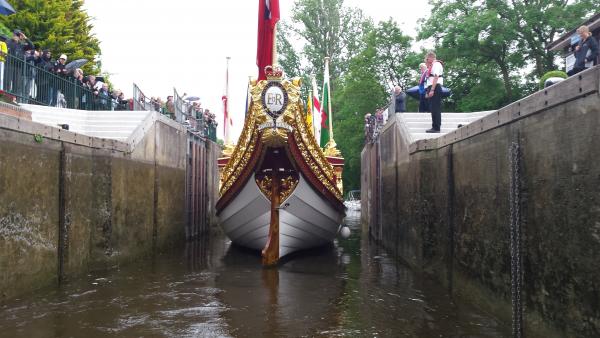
(279,192)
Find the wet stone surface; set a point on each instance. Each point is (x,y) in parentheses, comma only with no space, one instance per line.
(214,289)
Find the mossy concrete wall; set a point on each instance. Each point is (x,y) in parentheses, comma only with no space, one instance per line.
(446,208)
(67,207)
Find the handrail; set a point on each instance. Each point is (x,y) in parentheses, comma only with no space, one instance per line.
(28,83)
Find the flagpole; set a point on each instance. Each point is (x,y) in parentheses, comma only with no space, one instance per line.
(226,113)
(330,117)
(275,45)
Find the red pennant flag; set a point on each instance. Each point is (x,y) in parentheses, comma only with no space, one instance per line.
(268,15)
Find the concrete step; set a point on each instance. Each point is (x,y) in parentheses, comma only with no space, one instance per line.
(117,125)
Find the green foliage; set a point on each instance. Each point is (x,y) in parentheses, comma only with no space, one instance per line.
(360,93)
(553,73)
(489,47)
(323,28)
(61,26)
(393,61)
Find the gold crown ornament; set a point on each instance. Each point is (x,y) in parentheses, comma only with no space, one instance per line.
(273,73)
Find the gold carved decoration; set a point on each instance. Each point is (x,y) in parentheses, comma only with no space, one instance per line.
(287,185)
(294,117)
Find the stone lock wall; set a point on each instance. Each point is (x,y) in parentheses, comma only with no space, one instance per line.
(69,203)
(447,206)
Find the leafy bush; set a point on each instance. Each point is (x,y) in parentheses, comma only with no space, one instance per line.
(552,73)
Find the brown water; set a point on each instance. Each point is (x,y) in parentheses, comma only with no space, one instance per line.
(213,289)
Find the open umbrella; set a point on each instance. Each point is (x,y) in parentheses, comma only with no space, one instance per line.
(74,64)
(6,8)
(414,92)
(192,98)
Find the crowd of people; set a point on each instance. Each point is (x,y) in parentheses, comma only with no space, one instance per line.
(33,76)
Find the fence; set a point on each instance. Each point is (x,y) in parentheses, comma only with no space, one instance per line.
(29,83)
(194,117)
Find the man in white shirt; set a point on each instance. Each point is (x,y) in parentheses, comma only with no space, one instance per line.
(433,91)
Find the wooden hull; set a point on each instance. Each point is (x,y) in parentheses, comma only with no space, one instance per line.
(306,219)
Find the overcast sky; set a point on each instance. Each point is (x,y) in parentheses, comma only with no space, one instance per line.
(184,44)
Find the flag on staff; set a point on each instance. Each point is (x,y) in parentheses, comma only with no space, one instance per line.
(228,122)
(316,112)
(309,112)
(268,15)
(326,108)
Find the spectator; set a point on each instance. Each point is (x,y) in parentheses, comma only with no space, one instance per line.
(586,51)
(400,100)
(17,46)
(3,53)
(170,107)
(59,86)
(32,60)
(89,92)
(434,91)
(78,81)
(45,89)
(104,97)
(423,103)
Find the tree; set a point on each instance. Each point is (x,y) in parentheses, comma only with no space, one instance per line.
(537,23)
(322,28)
(393,61)
(61,26)
(501,39)
(360,91)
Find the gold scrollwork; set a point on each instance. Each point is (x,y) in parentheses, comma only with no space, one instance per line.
(287,186)
(294,117)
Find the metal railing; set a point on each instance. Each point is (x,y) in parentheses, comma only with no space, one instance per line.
(31,84)
(35,85)
(194,117)
(374,123)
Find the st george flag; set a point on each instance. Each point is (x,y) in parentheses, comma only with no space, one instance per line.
(268,15)
(316,113)
(325,108)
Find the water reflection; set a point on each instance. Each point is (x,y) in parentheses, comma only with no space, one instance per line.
(214,289)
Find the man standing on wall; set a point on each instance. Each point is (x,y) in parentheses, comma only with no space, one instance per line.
(434,91)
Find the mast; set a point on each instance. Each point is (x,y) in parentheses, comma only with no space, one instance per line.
(275,45)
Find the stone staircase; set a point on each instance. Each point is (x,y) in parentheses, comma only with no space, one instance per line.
(115,125)
(418,123)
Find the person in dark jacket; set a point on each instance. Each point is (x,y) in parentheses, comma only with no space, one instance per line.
(586,51)
(423,102)
(17,48)
(59,81)
(46,64)
(400,100)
